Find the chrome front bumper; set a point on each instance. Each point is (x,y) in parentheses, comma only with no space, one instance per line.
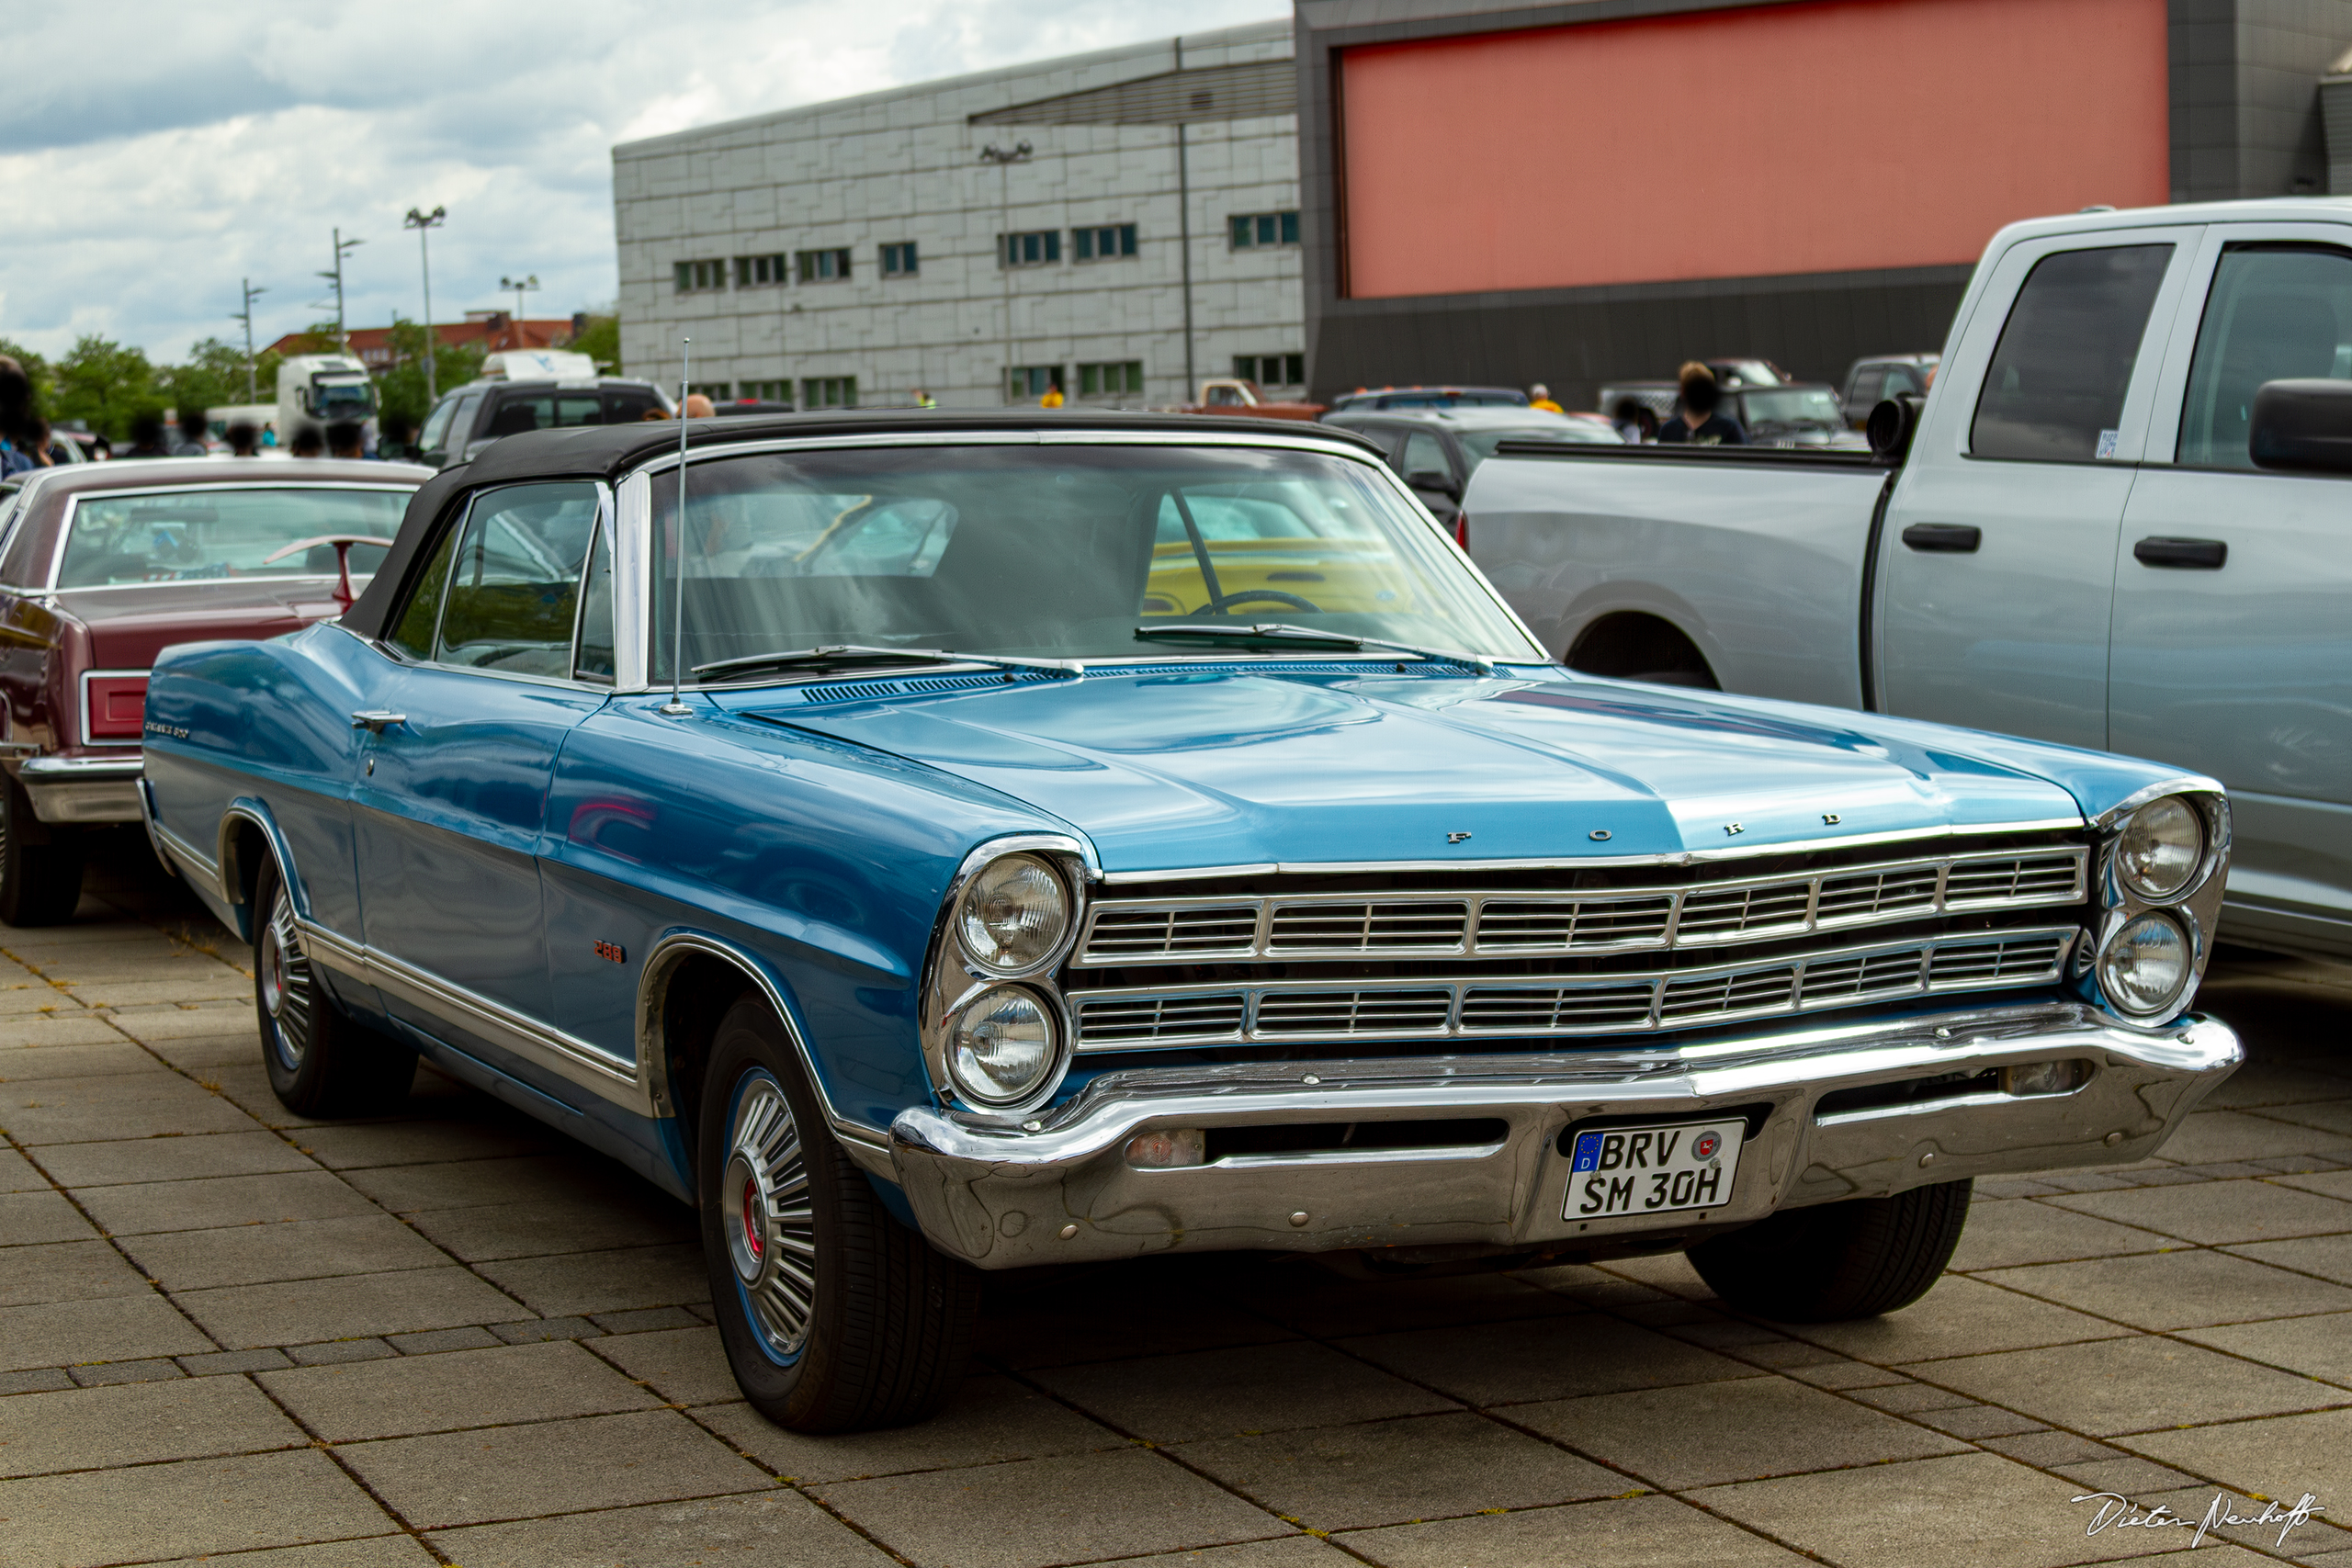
(1004,1197)
(83,789)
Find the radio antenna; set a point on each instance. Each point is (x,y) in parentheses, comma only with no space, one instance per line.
(677,705)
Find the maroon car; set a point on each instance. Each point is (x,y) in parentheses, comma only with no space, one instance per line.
(101,565)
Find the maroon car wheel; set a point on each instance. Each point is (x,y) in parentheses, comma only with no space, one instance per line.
(41,866)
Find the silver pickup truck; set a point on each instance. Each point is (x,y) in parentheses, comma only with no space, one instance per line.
(2122,520)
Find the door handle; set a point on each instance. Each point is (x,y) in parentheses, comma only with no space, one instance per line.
(376,720)
(1943,539)
(2193,555)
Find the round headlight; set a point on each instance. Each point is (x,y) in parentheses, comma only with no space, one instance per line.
(1001,1047)
(2161,847)
(2146,966)
(1013,914)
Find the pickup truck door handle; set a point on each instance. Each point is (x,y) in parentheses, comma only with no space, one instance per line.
(376,720)
(2194,555)
(1943,539)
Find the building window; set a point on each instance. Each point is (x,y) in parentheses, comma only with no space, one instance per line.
(824,266)
(716,391)
(1119,377)
(1040,248)
(765,391)
(699,276)
(1257,231)
(829,392)
(899,260)
(754,272)
(1026,381)
(1108,243)
(1272,370)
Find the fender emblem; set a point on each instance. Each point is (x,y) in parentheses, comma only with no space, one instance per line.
(1455,838)
(612,952)
(1733,828)
(1829,819)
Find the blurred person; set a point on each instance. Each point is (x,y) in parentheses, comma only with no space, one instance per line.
(657,412)
(395,438)
(243,439)
(194,428)
(308,442)
(1539,396)
(700,406)
(1697,423)
(19,448)
(269,434)
(147,435)
(1635,423)
(346,439)
(924,400)
(1052,399)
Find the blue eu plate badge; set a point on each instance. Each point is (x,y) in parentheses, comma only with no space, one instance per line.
(1619,1171)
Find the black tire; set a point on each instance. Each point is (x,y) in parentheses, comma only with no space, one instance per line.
(1836,1261)
(836,1317)
(321,1062)
(41,866)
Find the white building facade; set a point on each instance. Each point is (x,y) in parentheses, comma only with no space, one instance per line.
(1116,225)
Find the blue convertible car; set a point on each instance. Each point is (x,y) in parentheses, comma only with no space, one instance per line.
(956,843)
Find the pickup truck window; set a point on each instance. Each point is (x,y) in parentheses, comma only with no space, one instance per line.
(2054,391)
(2275,313)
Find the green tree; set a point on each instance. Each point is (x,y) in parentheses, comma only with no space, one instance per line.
(600,340)
(214,374)
(401,389)
(109,385)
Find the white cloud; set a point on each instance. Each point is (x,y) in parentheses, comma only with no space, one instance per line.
(151,170)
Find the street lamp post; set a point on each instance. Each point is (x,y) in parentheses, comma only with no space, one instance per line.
(246,316)
(519,285)
(421,222)
(343,248)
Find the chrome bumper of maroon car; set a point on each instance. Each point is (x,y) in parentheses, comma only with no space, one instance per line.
(83,789)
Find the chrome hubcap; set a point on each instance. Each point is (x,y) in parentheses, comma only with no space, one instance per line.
(770,1228)
(285,978)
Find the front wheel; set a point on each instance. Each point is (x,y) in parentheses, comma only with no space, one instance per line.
(836,1318)
(41,866)
(320,1063)
(1834,1261)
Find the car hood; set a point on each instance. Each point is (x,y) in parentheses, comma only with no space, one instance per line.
(1165,769)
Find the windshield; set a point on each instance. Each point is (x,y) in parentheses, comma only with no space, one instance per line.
(1810,405)
(1481,444)
(1055,552)
(332,400)
(219,532)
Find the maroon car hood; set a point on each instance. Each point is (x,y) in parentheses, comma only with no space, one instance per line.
(129,625)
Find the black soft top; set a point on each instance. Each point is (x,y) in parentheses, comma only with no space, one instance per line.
(607,451)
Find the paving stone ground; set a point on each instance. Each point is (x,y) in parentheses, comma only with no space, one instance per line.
(448,1336)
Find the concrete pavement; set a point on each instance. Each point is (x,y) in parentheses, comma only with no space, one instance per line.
(450,1336)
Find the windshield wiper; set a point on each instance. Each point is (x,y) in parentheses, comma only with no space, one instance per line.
(1278,631)
(856,653)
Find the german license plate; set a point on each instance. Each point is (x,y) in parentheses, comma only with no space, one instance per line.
(1652,1170)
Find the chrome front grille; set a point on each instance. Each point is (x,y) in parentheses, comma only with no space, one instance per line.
(1135,1019)
(1126,931)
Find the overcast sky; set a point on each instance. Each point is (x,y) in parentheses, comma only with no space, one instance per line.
(155,154)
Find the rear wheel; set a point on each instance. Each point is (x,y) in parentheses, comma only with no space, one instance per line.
(836,1317)
(1834,1261)
(320,1062)
(41,866)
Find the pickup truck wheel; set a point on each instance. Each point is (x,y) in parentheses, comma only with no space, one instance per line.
(41,866)
(320,1062)
(1836,1261)
(836,1317)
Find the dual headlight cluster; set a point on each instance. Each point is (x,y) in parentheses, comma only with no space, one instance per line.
(2148,960)
(1011,922)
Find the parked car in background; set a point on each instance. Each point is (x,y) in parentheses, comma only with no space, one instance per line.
(102,564)
(1328,915)
(1798,414)
(1735,372)
(2121,524)
(1437,449)
(1383,397)
(1870,382)
(1234,394)
(468,420)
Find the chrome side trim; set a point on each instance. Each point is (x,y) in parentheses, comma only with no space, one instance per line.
(64,768)
(175,851)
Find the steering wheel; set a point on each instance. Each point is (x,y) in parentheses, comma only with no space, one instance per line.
(1225,600)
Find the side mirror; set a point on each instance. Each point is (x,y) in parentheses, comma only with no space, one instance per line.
(1429,479)
(2302,427)
(1891,427)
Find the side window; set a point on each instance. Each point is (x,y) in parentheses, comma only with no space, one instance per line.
(2054,391)
(436,437)
(2274,314)
(1424,454)
(412,632)
(461,423)
(595,660)
(627,408)
(1866,393)
(514,581)
(547,411)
